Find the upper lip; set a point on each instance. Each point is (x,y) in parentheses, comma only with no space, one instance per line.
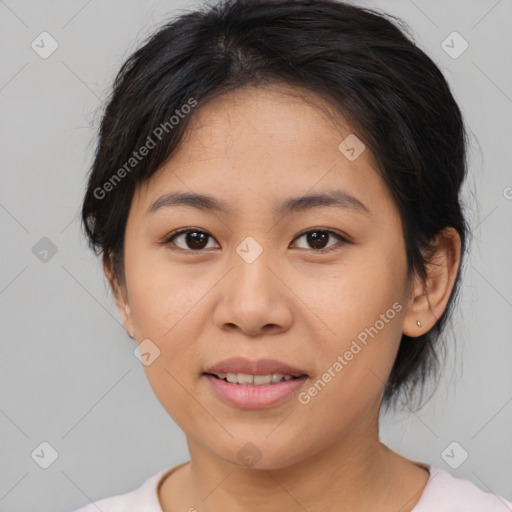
(260,367)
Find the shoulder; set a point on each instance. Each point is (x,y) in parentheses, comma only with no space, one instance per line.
(446,493)
(142,499)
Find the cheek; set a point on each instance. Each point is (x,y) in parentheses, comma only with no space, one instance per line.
(163,308)
(343,300)
(359,313)
(162,296)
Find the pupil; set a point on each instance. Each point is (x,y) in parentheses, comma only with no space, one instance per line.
(315,239)
(193,238)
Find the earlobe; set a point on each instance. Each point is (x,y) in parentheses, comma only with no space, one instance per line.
(429,298)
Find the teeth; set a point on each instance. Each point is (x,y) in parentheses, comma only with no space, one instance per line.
(258,380)
(243,378)
(276,378)
(262,379)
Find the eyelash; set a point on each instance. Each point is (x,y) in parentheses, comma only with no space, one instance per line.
(175,234)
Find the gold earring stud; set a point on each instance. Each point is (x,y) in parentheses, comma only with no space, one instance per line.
(419,323)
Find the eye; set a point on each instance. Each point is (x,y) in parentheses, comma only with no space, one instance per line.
(318,238)
(197,240)
(194,239)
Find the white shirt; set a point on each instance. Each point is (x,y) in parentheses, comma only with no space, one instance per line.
(443,493)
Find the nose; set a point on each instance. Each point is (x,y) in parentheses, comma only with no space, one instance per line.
(254,298)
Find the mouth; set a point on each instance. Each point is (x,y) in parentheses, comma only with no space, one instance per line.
(242,371)
(247,384)
(246,379)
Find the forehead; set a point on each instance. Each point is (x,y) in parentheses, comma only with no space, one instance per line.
(266,141)
(277,115)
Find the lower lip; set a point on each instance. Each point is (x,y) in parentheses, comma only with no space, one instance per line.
(255,397)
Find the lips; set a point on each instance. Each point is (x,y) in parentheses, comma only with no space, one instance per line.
(246,384)
(240,365)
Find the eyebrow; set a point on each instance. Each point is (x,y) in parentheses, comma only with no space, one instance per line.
(331,198)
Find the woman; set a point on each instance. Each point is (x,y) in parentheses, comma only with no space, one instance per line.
(276,199)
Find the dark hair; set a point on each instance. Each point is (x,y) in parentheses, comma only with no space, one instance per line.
(388,90)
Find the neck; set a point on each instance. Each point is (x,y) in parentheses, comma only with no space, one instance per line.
(356,473)
(339,475)
(352,475)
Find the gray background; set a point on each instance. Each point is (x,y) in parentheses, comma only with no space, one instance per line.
(68,373)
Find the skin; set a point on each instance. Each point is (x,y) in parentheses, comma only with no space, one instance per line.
(252,148)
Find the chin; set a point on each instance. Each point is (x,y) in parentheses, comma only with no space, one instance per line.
(263,453)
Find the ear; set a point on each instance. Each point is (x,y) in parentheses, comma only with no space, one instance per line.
(120,294)
(428,299)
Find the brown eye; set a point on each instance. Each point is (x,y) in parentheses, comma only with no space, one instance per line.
(319,238)
(197,240)
(192,239)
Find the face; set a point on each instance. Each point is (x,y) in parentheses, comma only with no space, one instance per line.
(319,288)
